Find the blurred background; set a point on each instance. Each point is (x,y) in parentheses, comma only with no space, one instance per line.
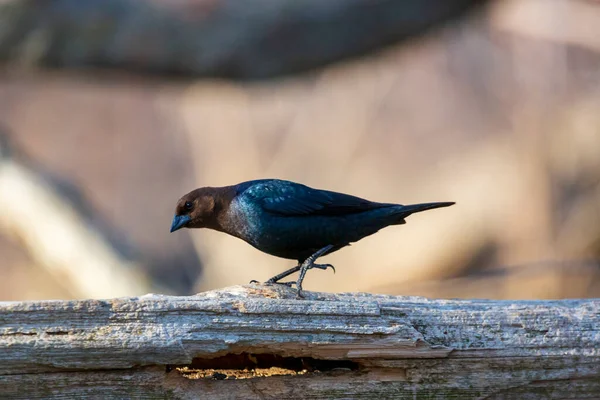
(110,111)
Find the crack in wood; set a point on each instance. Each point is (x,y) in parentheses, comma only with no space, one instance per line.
(248,361)
(249,366)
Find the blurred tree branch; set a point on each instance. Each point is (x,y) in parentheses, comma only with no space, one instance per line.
(61,232)
(217,38)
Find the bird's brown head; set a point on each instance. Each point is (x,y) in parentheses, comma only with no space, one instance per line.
(196,209)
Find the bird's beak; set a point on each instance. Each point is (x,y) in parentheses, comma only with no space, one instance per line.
(179,221)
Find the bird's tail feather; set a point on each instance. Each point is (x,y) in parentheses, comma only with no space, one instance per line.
(407,210)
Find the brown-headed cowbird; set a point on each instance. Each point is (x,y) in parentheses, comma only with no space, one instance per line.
(289,220)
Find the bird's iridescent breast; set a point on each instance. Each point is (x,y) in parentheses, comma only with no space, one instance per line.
(245,219)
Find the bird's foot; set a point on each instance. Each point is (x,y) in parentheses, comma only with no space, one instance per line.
(303,268)
(311,266)
(322,266)
(272,282)
(290,284)
(309,263)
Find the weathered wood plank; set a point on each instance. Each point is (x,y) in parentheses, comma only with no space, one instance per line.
(396,346)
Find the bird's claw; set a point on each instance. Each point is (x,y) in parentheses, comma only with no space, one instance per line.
(322,266)
(274,282)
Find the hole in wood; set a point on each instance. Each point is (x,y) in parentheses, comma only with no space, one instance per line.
(245,366)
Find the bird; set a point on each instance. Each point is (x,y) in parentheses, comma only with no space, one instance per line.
(290,220)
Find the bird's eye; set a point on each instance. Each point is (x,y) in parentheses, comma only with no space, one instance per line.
(188,205)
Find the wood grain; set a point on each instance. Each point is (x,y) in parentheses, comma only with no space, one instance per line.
(399,346)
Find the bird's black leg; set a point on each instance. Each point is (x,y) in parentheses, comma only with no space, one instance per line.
(282,275)
(309,263)
(276,278)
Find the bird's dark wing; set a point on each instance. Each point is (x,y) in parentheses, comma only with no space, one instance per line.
(289,198)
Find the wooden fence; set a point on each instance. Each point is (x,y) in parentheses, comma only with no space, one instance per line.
(256,341)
